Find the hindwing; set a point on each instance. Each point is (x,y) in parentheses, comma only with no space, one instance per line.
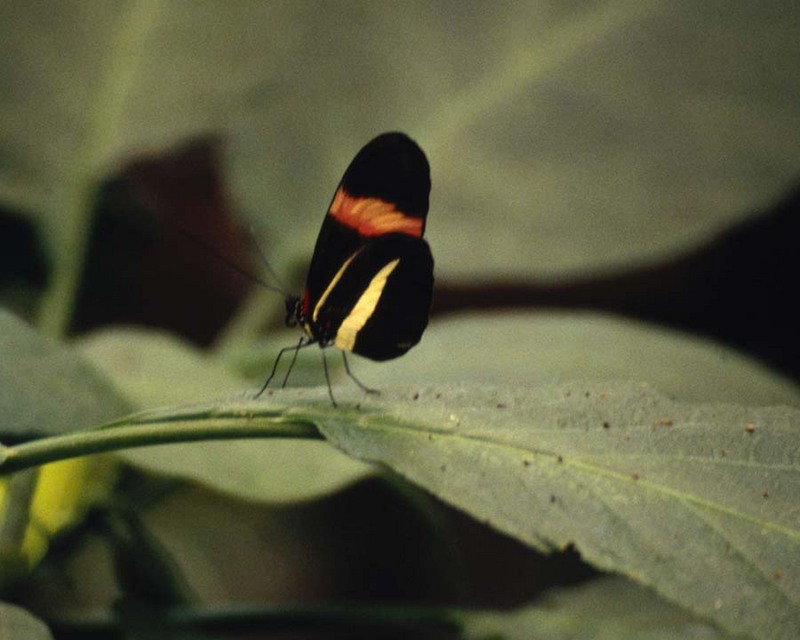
(377,304)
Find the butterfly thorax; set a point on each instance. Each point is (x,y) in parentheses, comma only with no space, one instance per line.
(297,315)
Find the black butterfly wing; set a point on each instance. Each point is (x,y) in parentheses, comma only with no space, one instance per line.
(385,190)
(379,302)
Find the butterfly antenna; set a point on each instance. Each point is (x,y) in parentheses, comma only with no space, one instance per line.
(265,262)
(230,263)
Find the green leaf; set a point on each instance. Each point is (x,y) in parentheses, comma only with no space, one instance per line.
(604,609)
(18,624)
(273,471)
(542,347)
(155,369)
(47,388)
(697,501)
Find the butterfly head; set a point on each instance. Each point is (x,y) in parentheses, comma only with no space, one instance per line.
(295,315)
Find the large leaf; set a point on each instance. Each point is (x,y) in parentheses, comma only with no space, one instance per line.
(563,136)
(698,501)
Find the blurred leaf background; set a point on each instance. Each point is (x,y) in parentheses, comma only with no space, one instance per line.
(623,173)
(577,136)
(568,140)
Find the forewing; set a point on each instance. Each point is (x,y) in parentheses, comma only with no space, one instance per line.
(385,190)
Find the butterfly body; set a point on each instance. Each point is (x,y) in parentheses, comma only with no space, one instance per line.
(370,283)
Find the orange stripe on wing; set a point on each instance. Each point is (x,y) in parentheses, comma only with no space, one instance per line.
(372,216)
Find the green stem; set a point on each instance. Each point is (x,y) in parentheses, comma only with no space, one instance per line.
(359,620)
(148,431)
(375,620)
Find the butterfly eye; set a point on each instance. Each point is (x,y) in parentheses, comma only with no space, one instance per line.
(293,312)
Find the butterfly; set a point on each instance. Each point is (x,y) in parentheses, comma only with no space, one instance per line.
(370,283)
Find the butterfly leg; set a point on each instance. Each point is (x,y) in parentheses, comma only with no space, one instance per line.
(299,346)
(363,387)
(328,378)
(296,348)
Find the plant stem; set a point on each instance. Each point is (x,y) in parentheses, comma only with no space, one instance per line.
(150,432)
(354,620)
(359,620)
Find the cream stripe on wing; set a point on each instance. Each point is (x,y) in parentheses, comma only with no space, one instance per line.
(363,309)
(332,284)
